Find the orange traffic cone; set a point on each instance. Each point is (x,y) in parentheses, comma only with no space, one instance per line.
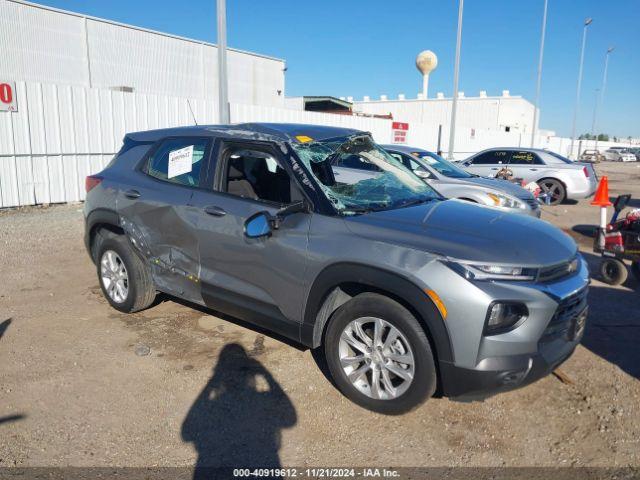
(602,194)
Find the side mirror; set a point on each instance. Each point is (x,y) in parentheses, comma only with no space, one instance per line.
(423,174)
(262,224)
(258,225)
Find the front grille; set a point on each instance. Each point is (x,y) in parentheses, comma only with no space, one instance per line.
(567,311)
(555,272)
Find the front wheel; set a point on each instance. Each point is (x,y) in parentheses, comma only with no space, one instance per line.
(379,355)
(613,271)
(555,189)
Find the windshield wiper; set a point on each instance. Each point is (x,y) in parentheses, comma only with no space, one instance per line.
(361,210)
(415,201)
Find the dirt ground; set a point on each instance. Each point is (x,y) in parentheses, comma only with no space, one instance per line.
(83,385)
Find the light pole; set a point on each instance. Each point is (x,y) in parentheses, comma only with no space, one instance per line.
(604,85)
(595,113)
(535,105)
(587,22)
(223,96)
(456,72)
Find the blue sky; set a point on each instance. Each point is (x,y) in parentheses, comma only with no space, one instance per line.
(359,47)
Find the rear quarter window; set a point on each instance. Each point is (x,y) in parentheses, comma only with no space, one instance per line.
(178,160)
(524,158)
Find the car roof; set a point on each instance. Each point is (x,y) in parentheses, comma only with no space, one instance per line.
(405,148)
(275,132)
(518,149)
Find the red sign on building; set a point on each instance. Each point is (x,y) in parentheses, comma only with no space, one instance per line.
(399,130)
(8,97)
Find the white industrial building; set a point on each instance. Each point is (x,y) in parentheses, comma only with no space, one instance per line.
(504,113)
(48,45)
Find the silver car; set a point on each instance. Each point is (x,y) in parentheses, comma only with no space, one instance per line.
(454,182)
(404,292)
(558,177)
(619,154)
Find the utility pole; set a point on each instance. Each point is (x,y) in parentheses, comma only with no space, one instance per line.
(535,105)
(587,22)
(456,72)
(223,94)
(604,85)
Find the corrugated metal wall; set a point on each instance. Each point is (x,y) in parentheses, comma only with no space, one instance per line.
(61,134)
(46,45)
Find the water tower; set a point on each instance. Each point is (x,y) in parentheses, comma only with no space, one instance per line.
(426,62)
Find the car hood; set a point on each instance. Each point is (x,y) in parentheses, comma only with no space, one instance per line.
(466,231)
(512,189)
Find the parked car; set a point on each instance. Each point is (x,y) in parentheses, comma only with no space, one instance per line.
(557,176)
(636,152)
(592,156)
(454,182)
(619,154)
(403,290)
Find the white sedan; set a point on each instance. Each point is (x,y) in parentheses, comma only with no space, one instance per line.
(557,176)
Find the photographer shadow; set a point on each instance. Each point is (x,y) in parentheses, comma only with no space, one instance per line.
(237,419)
(9,418)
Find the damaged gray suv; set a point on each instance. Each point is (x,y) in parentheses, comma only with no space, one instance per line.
(406,293)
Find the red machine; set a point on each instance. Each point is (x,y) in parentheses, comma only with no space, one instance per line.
(621,242)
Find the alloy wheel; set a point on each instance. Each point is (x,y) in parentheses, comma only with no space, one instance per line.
(114,276)
(553,189)
(376,358)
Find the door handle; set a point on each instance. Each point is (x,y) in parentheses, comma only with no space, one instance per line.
(533,169)
(215,211)
(494,168)
(132,194)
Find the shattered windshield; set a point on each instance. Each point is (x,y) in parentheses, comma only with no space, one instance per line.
(358,176)
(444,167)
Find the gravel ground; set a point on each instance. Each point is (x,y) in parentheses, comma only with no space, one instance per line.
(83,385)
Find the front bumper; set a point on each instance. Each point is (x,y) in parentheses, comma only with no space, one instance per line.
(529,352)
(500,374)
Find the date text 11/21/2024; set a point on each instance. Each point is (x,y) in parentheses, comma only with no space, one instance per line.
(317,472)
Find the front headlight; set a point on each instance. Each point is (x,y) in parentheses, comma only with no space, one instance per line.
(494,272)
(500,200)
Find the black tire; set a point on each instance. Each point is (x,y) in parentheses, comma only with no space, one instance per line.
(613,271)
(635,268)
(556,188)
(423,384)
(141,290)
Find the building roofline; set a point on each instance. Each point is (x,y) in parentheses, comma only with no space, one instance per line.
(488,97)
(141,29)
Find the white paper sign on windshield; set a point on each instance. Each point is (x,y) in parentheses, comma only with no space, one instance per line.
(180,161)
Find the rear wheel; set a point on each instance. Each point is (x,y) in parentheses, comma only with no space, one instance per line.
(613,271)
(555,189)
(379,356)
(124,278)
